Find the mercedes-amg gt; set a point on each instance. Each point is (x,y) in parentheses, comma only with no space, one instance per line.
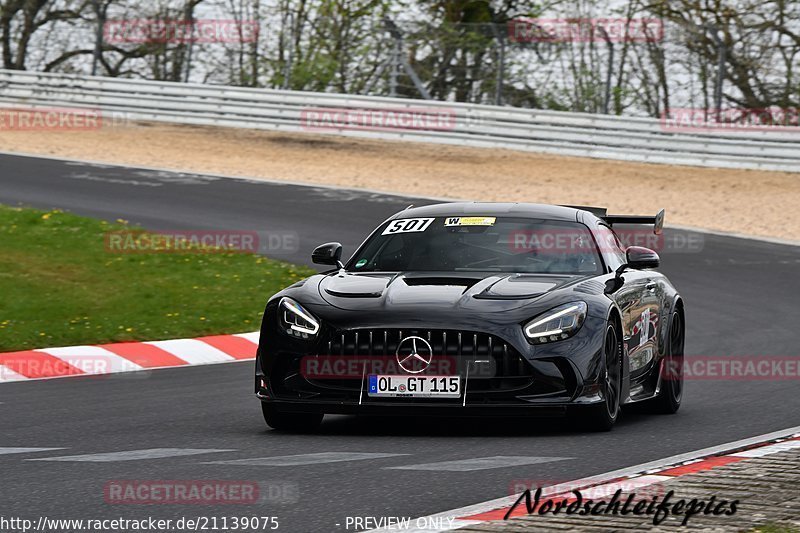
(477,309)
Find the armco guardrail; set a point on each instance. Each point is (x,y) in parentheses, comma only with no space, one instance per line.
(577,134)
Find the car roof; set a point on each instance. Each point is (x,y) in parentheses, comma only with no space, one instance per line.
(508,209)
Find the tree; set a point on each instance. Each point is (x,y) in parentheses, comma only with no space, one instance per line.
(760,41)
(21,19)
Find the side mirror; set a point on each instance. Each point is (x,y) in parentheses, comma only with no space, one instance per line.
(639,257)
(329,253)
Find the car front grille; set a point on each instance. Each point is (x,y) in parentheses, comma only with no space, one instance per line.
(492,369)
(483,354)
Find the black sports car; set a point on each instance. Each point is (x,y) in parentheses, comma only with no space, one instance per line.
(477,309)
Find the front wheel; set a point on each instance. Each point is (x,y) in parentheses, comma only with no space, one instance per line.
(602,416)
(301,422)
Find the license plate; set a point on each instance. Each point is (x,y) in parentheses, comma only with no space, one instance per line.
(415,386)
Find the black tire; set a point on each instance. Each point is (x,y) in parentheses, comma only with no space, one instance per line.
(300,422)
(602,416)
(668,400)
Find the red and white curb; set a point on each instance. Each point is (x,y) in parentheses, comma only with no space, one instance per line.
(605,485)
(48,363)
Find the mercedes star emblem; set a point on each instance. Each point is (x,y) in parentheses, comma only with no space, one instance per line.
(414,354)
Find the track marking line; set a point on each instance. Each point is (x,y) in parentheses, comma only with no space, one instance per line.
(9,450)
(768,450)
(480,463)
(132,455)
(306,459)
(700,466)
(649,473)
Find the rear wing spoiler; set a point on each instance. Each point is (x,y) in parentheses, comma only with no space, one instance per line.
(657,221)
(600,212)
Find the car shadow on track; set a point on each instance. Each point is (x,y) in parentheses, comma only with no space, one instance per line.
(340,425)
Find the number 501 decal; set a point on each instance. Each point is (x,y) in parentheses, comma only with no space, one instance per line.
(407,225)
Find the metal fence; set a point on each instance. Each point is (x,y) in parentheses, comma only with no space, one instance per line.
(563,133)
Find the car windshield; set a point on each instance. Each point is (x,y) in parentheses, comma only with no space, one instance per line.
(479,243)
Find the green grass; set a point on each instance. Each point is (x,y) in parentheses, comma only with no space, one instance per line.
(59,286)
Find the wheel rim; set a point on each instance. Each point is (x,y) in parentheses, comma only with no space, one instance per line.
(612,367)
(675,359)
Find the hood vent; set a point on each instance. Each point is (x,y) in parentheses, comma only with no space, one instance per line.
(376,294)
(441,281)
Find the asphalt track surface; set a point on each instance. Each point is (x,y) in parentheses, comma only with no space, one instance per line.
(741,301)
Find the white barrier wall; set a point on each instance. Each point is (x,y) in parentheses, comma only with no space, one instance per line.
(576,134)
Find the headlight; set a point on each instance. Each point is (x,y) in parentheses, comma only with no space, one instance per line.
(295,320)
(556,324)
